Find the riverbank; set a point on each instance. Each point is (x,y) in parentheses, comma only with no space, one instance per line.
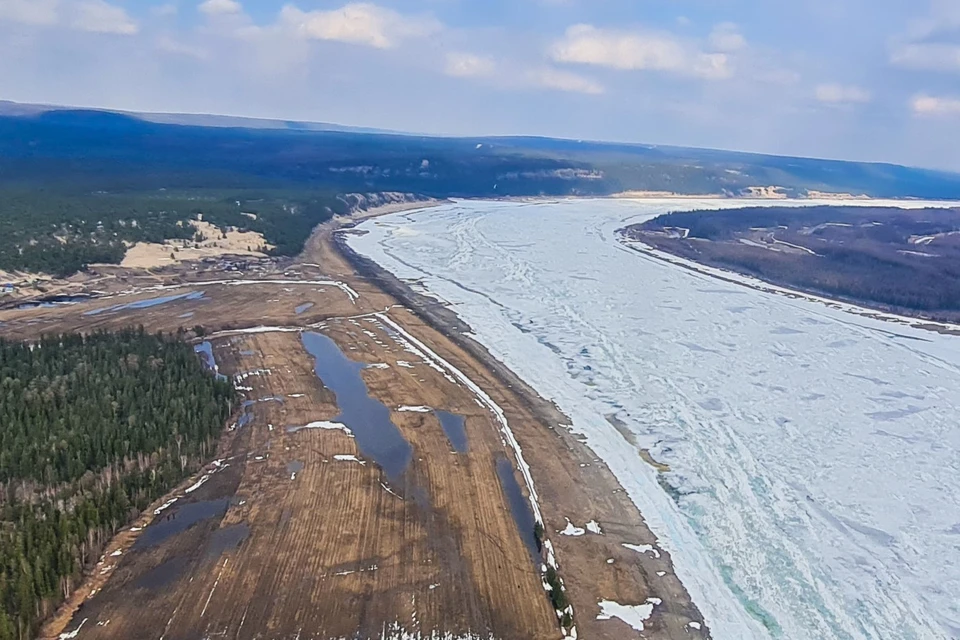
(623,564)
(774,414)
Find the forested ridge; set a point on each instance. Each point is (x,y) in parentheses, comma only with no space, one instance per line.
(92,430)
(906,260)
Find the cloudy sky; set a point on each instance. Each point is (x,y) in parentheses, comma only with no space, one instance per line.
(858,79)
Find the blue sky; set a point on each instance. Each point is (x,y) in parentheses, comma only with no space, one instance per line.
(854,79)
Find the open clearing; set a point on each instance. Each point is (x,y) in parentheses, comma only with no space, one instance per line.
(297,532)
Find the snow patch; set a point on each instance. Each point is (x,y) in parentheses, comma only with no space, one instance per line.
(323,424)
(419,409)
(633,615)
(572,530)
(643,548)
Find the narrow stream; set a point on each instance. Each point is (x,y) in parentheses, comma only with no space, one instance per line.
(368,418)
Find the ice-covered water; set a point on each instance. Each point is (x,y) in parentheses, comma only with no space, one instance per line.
(814,489)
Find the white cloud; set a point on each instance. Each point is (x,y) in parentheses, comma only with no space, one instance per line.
(726,37)
(930,43)
(626,50)
(32,12)
(927,56)
(550,78)
(164,10)
(167,44)
(842,94)
(943,16)
(469,65)
(220,7)
(925,105)
(99,16)
(359,23)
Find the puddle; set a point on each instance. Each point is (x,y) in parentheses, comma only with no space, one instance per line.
(245,419)
(227,538)
(303,307)
(178,519)
(146,304)
(205,350)
(455,427)
(519,508)
(164,574)
(368,418)
(50,302)
(295,466)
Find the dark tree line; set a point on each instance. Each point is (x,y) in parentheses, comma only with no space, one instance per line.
(92,430)
(61,232)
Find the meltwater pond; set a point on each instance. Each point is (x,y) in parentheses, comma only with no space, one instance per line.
(814,454)
(455,428)
(519,508)
(146,304)
(368,418)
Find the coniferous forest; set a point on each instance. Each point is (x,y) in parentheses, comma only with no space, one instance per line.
(92,430)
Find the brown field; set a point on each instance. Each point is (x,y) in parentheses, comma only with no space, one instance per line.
(284,540)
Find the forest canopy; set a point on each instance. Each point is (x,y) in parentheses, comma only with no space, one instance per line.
(92,430)
(60,233)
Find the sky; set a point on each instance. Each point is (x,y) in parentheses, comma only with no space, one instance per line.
(875,80)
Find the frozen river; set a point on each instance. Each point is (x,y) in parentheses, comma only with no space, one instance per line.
(814,489)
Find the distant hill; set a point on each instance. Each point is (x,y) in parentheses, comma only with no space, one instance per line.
(8,108)
(127,150)
(77,186)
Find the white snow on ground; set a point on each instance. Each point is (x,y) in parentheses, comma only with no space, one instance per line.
(198,484)
(634,615)
(572,530)
(323,424)
(814,453)
(414,409)
(73,634)
(166,505)
(348,458)
(643,548)
(351,294)
(796,246)
(594,527)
